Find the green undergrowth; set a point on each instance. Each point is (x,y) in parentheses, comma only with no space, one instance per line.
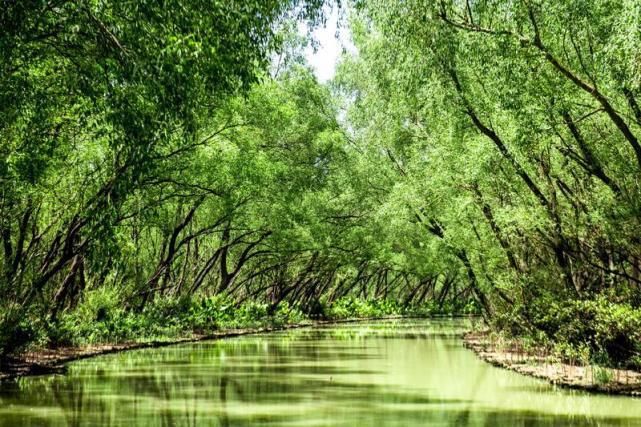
(597,331)
(101,317)
(351,307)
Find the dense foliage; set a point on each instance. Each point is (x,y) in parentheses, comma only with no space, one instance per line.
(160,177)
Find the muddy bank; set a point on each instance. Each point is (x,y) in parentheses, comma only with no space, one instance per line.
(588,378)
(52,360)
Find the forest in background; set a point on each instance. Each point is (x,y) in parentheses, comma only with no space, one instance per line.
(162,173)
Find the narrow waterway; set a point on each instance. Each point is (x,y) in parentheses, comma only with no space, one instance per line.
(391,373)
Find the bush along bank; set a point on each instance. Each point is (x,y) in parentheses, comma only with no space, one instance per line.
(593,345)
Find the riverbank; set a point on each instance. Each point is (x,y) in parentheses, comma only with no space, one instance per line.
(588,378)
(48,361)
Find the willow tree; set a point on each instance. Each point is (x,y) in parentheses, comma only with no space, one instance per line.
(522,118)
(93,96)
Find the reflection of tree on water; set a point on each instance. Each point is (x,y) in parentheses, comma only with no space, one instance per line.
(71,399)
(148,398)
(224,418)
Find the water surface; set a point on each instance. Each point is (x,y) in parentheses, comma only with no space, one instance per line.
(392,373)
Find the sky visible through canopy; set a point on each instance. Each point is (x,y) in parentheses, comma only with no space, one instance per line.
(330,39)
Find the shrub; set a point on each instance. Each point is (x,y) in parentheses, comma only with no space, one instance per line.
(91,321)
(348,307)
(602,375)
(610,330)
(18,329)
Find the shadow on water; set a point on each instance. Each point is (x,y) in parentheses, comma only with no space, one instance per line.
(392,374)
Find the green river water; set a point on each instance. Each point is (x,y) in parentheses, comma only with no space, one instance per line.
(388,373)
